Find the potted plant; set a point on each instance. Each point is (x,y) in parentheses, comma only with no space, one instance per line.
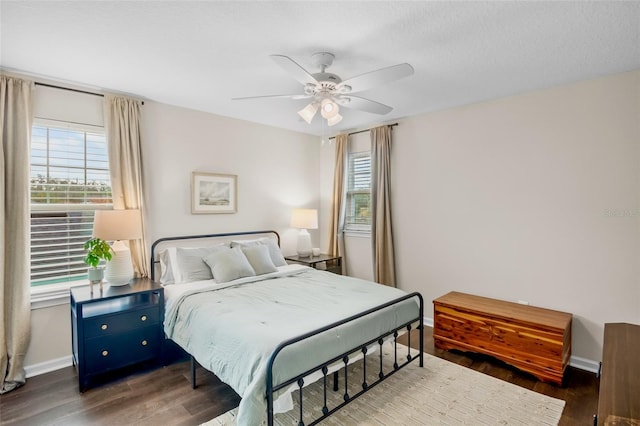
(97,250)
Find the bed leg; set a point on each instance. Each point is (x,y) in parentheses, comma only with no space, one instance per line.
(193,372)
(335,381)
(421,330)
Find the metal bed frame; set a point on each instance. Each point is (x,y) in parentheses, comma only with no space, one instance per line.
(272,388)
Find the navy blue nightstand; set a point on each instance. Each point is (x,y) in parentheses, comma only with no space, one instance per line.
(117,328)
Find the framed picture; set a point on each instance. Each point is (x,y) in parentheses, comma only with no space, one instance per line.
(213,193)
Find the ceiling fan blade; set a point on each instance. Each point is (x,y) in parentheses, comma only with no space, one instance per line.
(296,71)
(362,104)
(296,96)
(376,78)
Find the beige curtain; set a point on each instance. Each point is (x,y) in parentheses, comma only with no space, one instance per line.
(336,238)
(122,116)
(16,118)
(382,233)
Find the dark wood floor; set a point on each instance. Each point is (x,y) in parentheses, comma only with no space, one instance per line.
(164,395)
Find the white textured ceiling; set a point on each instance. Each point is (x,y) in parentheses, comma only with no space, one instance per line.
(201,54)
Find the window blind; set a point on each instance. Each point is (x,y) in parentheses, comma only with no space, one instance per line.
(69,181)
(359,190)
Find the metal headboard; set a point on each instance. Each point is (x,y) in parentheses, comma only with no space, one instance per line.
(204,236)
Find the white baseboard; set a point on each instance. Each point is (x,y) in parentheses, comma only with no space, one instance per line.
(48,366)
(66,361)
(585,364)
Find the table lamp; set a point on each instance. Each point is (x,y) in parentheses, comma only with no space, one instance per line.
(116,226)
(304,219)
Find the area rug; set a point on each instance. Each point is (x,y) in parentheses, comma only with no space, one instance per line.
(441,393)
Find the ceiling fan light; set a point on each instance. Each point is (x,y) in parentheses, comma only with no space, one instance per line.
(307,113)
(328,108)
(334,120)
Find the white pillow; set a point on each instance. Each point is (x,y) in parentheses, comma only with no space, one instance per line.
(191,265)
(169,273)
(258,257)
(274,250)
(228,265)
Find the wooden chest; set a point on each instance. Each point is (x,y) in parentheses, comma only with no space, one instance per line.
(533,339)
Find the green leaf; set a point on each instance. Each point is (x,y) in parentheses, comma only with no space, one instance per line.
(97,250)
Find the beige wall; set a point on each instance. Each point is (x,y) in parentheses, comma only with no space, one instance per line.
(532,197)
(50,338)
(276,169)
(529,198)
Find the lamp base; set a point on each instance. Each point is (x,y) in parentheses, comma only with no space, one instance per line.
(304,243)
(119,270)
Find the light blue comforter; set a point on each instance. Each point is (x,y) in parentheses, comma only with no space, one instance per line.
(232,331)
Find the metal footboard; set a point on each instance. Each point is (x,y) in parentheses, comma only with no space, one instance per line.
(344,357)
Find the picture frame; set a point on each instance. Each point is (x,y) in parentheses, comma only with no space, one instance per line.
(213,193)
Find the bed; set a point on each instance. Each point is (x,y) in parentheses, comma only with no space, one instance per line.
(267,328)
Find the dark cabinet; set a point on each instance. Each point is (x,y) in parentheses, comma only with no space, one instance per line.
(116,328)
(619,396)
(324,262)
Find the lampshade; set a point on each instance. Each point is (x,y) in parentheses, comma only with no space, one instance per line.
(117,225)
(308,112)
(328,108)
(334,120)
(113,225)
(304,218)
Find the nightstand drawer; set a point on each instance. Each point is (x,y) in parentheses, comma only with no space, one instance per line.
(118,350)
(110,324)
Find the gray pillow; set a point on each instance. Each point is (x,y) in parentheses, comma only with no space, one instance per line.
(228,265)
(258,257)
(192,268)
(274,250)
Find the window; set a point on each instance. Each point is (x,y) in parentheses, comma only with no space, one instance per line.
(69,181)
(358,206)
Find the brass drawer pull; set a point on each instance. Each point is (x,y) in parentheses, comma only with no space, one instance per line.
(144,343)
(105,353)
(143,318)
(104,326)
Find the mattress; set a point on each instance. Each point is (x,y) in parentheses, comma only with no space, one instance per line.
(231,329)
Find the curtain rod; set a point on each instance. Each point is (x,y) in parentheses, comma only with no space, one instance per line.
(69,89)
(362,131)
(53,86)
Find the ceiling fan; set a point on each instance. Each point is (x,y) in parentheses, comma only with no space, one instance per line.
(327,91)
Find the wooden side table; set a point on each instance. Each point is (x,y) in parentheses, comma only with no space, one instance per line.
(326,262)
(115,328)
